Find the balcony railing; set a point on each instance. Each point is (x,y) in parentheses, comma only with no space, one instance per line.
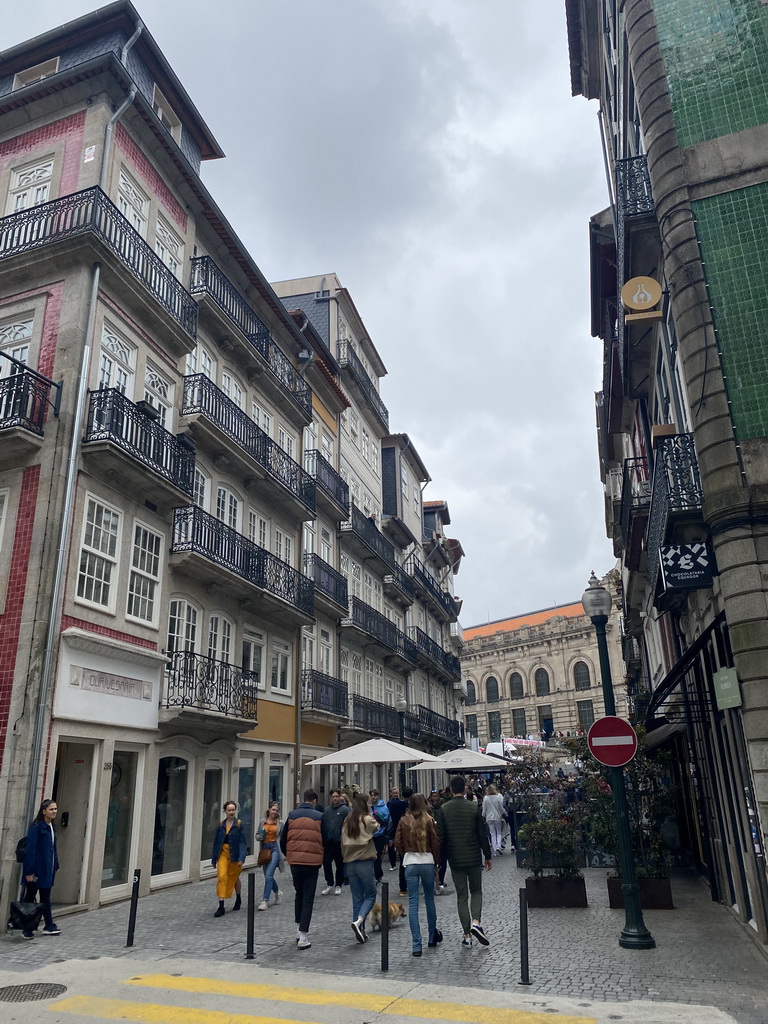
(202,396)
(441,597)
(208,279)
(366,530)
(370,716)
(372,622)
(320,692)
(91,211)
(113,417)
(633,187)
(326,477)
(405,647)
(196,530)
(349,358)
(23,398)
(327,580)
(635,504)
(446,663)
(398,577)
(676,490)
(438,725)
(204,684)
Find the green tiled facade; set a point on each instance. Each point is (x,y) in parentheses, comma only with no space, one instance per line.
(733,229)
(716,59)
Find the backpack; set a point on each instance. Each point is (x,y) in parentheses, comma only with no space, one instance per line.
(21,850)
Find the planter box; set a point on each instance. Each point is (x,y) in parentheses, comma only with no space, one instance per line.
(550,861)
(655,894)
(550,892)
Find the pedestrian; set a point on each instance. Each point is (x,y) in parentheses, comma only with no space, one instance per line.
(301,841)
(461,829)
(41,862)
(493,813)
(333,819)
(417,843)
(230,848)
(270,829)
(359,852)
(381,814)
(397,808)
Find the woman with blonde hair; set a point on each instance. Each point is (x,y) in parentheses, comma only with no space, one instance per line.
(359,853)
(269,855)
(493,812)
(417,843)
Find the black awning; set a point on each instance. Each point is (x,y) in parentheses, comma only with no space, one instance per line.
(676,675)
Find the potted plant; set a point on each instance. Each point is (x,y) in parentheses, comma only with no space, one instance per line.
(553,843)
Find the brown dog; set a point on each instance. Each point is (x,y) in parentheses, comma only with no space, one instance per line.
(395,911)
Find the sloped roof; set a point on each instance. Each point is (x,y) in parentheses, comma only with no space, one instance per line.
(567,611)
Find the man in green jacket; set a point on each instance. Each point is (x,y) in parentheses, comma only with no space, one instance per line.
(461,830)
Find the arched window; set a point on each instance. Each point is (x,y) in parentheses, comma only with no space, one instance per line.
(492,690)
(516,686)
(542,682)
(581,676)
(471,695)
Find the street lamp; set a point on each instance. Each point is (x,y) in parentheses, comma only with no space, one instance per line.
(597,604)
(402,706)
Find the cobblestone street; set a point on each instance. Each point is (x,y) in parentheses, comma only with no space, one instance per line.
(702,956)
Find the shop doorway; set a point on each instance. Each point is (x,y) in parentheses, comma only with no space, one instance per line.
(72,784)
(119,837)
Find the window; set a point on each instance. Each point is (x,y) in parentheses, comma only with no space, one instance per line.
(166,114)
(581,676)
(367,587)
(261,418)
(158,392)
(145,574)
(14,342)
(471,725)
(132,202)
(201,489)
(586,714)
(36,73)
(366,445)
(516,686)
(545,718)
(284,546)
(344,664)
(30,186)
(519,727)
(307,647)
(492,690)
(326,651)
(116,362)
(471,696)
(357,674)
(182,626)
(326,447)
(232,388)
(403,484)
(281,657)
(227,507)
(542,682)
(326,544)
(369,679)
(98,554)
(494,726)
(219,638)
(169,247)
(354,429)
(286,442)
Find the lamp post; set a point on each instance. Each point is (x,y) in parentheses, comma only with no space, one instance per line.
(402,706)
(597,603)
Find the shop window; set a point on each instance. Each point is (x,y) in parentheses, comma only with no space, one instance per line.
(170,815)
(116,865)
(212,810)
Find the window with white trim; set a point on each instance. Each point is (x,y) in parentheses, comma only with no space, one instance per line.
(201,489)
(220,638)
(30,185)
(144,580)
(326,544)
(132,202)
(356,683)
(158,392)
(379,690)
(232,388)
(169,247)
(389,691)
(117,361)
(284,546)
(35,74)
(366,445)
(281,666)
(326,447)
(253,657)
(369,679)
(14,342)
(200,361)
(227,507)
(354,429)
(355,578)
(308,647)
(261,418)
(287,442)
(404,483)
(325,652)
(182,626)
(344,664)
(166,114)
(97,574)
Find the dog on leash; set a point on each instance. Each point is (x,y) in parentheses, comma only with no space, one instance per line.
(394,912)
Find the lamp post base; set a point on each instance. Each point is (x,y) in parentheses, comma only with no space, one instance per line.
(639,939)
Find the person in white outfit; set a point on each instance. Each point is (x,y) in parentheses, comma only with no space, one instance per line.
(493,812)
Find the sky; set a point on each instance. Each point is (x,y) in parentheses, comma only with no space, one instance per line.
(429,152)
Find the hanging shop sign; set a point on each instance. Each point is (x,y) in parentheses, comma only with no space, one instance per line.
(641,295)
(686,566)
(727,689)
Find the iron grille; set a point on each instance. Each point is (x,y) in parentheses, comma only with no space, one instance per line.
(438,725)
(635,492)
(676,489)
(634,198)
(370,716)
(446,663)
(440,597)
(320,692)
(327,580)
(397,576)
(205,684)
(366,530)
(349,359)
(327,477)
(23,398)
(372,622)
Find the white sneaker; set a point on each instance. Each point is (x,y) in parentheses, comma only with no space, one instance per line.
(337,891)
(303,944)
(393,869)
(263,905)
(327,890)
(278,896)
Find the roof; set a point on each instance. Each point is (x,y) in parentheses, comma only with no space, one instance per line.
(563,611)
(406,447)
(438,506)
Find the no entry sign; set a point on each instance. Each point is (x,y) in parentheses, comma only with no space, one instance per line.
(612,741)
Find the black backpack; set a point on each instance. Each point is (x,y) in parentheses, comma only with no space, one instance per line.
(21,850)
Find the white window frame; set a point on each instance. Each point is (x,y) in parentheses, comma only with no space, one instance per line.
(254,655)
(146,566)
(133,202)
(280,667)
(117,361)
(169,247)
(158,392)
(201,494)
(109,556)
(30,185)
(166,114)
(35,74)
(219,639)
(189,615)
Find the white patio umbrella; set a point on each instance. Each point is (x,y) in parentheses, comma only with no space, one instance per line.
(460,759)
(376,751)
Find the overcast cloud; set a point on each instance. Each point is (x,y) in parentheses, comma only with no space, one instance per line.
(430,153)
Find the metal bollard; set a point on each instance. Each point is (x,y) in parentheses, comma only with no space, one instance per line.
(250,914)
(385,926)
(134,904)
(524,979)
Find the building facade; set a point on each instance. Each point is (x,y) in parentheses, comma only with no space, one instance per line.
(679,302)
(536,676)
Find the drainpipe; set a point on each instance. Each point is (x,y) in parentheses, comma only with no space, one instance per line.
(109,130)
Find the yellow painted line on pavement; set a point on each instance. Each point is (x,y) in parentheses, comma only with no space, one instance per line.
(154,1013)
(391,1005)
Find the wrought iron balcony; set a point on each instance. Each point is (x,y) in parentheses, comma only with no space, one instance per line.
(349,360)
(329,483)
(405,651)
(440,599)
(362,530)
(635,505)
(205,684)
(201,396)
(323,693)
(92,212)
(633,187)
(371,622)
(676,493)
(446,664)
(434,724)
(23,399)
(197,531)
(328,582)
(371,716)
(113,417)
(457,634)
(399,585)
(208,279)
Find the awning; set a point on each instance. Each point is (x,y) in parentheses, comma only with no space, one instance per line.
(661,733)
(677,674)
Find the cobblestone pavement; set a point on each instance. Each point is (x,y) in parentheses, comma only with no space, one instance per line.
(702,955)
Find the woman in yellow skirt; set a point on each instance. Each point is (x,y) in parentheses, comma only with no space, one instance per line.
(229,851)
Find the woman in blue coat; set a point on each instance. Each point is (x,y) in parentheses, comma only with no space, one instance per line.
(230,848)
(41,862)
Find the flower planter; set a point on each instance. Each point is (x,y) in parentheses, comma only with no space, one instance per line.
(655,894)
(550,892)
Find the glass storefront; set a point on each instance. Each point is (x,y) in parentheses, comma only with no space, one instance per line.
(117,841)
(170,815)
(213,812)
(276,783)
(246,799)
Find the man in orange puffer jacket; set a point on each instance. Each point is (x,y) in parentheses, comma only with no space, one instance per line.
(302,844)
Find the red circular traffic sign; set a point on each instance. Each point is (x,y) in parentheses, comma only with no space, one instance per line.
(612,741)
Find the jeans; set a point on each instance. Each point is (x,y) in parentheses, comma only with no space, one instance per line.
(305,883)
(424,873)
(270,885)
(472,877)
(45,901)
(362,884)
(379,842)
(332,858)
